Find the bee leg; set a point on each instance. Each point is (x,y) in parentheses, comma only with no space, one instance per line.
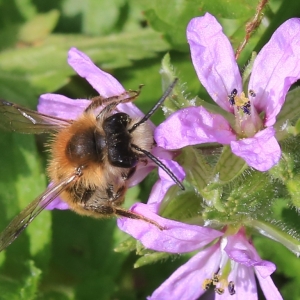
(112,102)
(121,212)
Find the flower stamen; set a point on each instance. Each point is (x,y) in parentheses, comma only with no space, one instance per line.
(232,96)
(220,284)
(231,289)
(241,102)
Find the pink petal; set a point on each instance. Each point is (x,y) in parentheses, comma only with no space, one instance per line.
(268,287)
(133,111)
(241,251)
(57,203)
(177,237)
(261,152)
(186,282)
(191,126)
(245,285)
(213,59)
(60,106)
(157,194)
(275,69)
(161,187)
(105,84)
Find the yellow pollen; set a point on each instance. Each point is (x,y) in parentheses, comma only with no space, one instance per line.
(215,278)
(206,284)
(241,100)
(219,291)
(220,283)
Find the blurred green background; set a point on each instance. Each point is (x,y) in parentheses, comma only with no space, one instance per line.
(62,255)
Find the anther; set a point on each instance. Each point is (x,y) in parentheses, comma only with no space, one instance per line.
(232,96)
(219,291)
(206,284)
(252,93)
(231,289)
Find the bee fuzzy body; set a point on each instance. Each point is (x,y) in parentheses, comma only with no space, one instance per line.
(92,157)
(101,147)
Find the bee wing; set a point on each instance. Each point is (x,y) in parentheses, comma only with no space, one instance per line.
(25,217)
(24,120)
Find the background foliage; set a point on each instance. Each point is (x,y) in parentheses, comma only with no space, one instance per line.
(62,255)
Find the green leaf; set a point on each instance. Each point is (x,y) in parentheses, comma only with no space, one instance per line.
(44,68)
(26,8)
(98,17)
(22,181)
(231,9)
(26,288)
(83,256)
(39,27)
(172,17)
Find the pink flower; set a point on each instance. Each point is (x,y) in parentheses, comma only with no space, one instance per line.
(229,263)
(106,85)
(275,69)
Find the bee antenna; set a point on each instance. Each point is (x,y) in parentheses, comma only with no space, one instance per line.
(155,107)
(160,164)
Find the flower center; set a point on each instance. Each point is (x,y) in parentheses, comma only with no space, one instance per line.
(241,102)
(248,122)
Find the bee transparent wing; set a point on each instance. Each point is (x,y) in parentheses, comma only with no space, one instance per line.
(24,120)
(22,220)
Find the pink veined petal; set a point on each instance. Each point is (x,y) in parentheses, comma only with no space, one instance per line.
(191,126)
(239,249)
(177,237)
(213,59)
(132,110)
(186,282)
(62,107)
(268,287)
(261,152)
(245,285)
(105,84)
(275,69)
(57,203)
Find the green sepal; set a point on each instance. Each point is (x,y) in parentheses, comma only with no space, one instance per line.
(283,170)
(292,186)
(247,197)
(289,112)
(126,246)
(177,100)
(229,166)
(297,127)
(277,232)
(248,70)
(197,169)
(151,258)
(183,207)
